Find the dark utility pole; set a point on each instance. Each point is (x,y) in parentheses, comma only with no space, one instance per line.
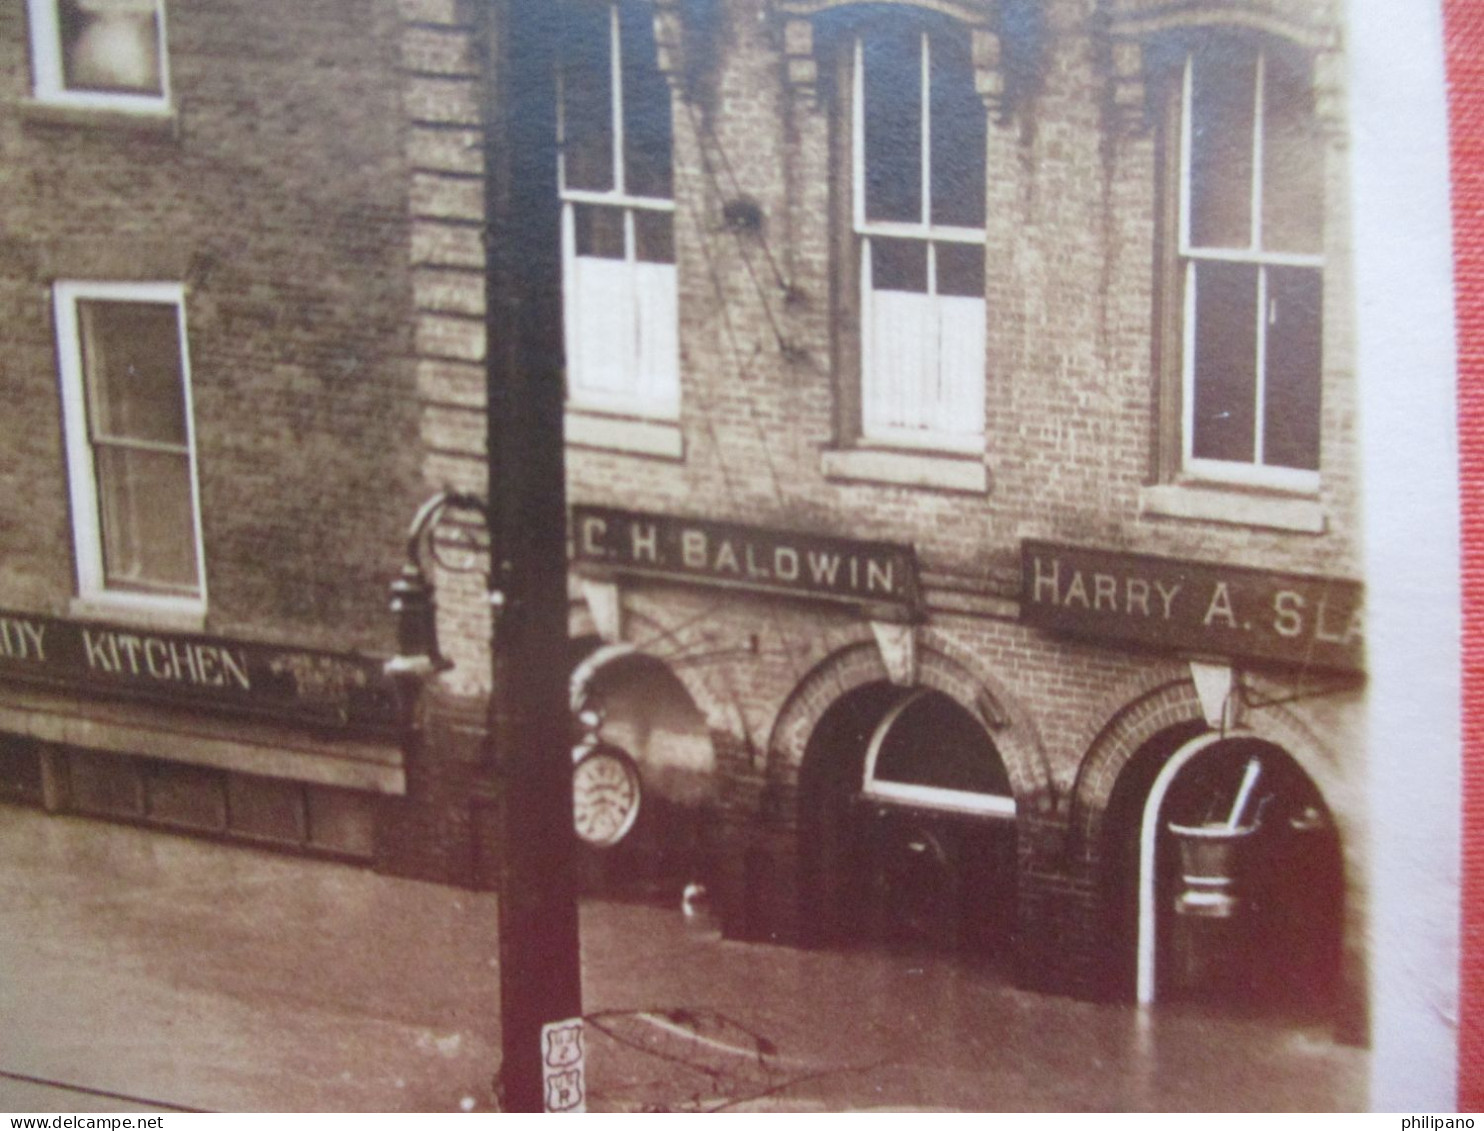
(530,728)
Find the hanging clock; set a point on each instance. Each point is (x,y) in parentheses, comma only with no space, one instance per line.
(605,794)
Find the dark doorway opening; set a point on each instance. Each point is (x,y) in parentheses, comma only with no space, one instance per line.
(642,709)
(907,831)
(1247,895)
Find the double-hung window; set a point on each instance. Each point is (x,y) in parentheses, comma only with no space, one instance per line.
(918,189)
(1251,270)
(126,401)
(618,215)
(100,54)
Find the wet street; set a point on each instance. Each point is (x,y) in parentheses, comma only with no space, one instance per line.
(143,971)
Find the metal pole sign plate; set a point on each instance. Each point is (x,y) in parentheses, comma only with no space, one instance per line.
(563,1066)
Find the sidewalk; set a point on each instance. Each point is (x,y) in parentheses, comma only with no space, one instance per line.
(184,973)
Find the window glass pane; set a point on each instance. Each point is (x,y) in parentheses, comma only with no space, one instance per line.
(899,265)
(1222,104)
(893,126)
(960,269)
(601,323)
(131,354)
(958,125)
(147,516)
(111,45)
(587,97)
(1225,361)
(1294,329)
(654,236)
(646,106)
(900,376)
(599,231)
(934,742)
(1292,164)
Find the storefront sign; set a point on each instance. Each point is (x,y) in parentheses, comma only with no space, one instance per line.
(1193,607)
(747,557)
(285,684)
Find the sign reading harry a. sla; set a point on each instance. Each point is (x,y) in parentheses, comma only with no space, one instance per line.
(286,684)
(1193,607)
(806,565)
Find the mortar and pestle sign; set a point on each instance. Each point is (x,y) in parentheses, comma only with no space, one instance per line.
(1209,853)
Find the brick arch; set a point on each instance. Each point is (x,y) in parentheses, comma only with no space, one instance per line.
(1136,723)
(1168,705)
(1022,722)
(1122,694)
(720,712)
(1146,19)
(965,11)
(799,19)
(859,664)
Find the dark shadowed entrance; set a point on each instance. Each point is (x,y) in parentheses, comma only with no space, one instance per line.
(1226,878)
(907,830)
(643,711)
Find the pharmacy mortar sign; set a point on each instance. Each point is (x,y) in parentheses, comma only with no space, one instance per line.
(746,557)
(340,691)
(1194,608)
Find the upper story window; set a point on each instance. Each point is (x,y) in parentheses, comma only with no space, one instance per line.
(126,399)
(918,203)
(100,54)
(618,215)
(1251,270)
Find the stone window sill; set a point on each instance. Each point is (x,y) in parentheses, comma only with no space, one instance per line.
(162,123)
(938,471)
(138,613)
(659,439)
(1237,508)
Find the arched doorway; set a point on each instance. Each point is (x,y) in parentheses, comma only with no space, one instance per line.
(1227,877)
(635,705)
(907,830)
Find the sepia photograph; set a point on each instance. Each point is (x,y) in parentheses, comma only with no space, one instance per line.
(726,555)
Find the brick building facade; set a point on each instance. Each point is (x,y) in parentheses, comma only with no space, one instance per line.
(1045,307)
(205,476)
(960,439)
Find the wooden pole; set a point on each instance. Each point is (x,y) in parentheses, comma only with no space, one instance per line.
(530,730)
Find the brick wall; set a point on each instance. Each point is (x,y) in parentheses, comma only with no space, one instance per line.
(1073,423)
(1071,282)
(278,194)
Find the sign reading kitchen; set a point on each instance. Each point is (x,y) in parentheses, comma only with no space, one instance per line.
(329,689)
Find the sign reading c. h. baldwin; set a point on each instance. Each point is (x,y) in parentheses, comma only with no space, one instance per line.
(746,557)
(1196,608)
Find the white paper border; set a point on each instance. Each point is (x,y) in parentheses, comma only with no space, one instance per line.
(1406,371)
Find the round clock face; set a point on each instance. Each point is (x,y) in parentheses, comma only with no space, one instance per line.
(605,796)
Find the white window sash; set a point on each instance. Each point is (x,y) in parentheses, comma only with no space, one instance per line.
(912,394)
(924,796)
(618,200)
(49,74)
(1255,473)
(621,315)
(947,800)
(82,473)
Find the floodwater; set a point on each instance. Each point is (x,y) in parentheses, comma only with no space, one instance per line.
(141,970)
